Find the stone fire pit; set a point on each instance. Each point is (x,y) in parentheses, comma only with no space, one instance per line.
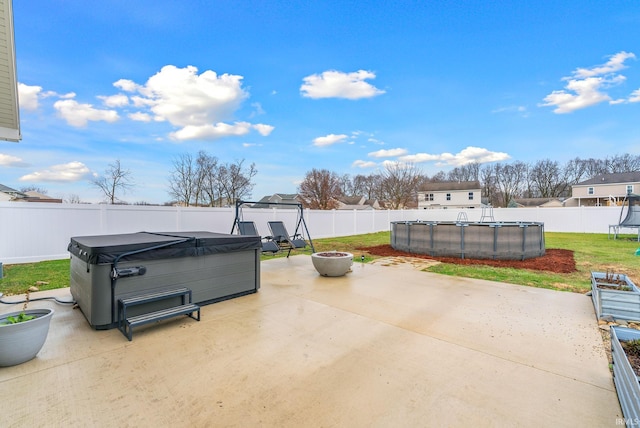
(332,263)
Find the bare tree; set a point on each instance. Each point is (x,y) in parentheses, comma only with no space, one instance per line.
(510,180)
(439,177)
(73,199)
(346,185)
(37,189)
(115,180)
(488,182)
(208,172)
(182,179)
(549,179)
(576,171)
(468,172)
(367,185)
(623,163)
(320,188)
(235,181)
(400,184)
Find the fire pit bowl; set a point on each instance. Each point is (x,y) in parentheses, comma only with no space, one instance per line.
(332,263)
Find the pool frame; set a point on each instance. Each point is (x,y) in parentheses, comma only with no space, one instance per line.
(477,240)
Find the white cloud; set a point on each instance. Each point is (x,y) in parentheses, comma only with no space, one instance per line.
(142,102)
(635,96)
(140,116)
(388,153)
(521,110)
(69,172)
(11,161)
(119,100)
(77,114)
(466,156)
(336,84)
(329,140)
(363,164)
(28,96)
(184,98)
(197,104)
(127,85)
(587,86)
(615,63)
(420,157)
(263,129)
(258,110)
(585,93)
(211,132)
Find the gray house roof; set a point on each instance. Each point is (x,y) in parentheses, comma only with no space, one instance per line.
(450,185)
(6,189)
(537,202)
(623,177)
(272,201)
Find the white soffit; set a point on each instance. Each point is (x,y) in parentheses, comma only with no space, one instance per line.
(9,111)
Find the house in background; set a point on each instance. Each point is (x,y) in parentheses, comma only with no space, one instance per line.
(536,202)
(357,203)
(9,194)
(450,195)
(278,198)
(604,190)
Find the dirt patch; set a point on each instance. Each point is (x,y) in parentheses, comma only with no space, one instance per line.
(555,260)
(632,349)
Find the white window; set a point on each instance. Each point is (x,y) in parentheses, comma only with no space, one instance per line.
(428,197)
(471,196)
(590,190)
(448,196)
(629,189)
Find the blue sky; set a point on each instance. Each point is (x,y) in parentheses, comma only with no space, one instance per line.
(291,86)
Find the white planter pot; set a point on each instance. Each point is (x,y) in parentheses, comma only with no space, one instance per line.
(332,263)
(22,341)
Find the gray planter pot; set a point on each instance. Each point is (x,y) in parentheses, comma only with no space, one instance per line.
(332,263)
(22,341)
(624,378)
(622,302)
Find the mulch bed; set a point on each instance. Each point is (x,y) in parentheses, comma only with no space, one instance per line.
(555,260)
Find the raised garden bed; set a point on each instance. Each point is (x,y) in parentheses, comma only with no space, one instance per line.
(614,294)
(624,375)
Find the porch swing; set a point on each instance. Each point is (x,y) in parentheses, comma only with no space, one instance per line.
(280,239)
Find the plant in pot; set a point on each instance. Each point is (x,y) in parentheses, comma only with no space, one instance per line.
(23,333)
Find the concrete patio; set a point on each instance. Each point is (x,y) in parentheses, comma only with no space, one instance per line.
(386,345)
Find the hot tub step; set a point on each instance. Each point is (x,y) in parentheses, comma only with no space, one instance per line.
(126,324)
(188,309)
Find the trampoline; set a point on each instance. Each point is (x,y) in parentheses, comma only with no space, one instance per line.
(631,213)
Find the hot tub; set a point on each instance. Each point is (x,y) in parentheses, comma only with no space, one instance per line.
(213,266)
(497,240)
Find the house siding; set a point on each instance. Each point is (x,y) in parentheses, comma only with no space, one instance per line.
(459,199)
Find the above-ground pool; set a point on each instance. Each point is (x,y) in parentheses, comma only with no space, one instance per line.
(496,240)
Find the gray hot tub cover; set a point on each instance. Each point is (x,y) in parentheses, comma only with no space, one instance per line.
(104,249)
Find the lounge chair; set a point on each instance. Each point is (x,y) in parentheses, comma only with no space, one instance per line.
(280,236)
(248,228)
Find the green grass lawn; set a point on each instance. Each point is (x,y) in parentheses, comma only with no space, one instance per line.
(592,252)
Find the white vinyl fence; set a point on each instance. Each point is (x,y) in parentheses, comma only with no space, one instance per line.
(41,231)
